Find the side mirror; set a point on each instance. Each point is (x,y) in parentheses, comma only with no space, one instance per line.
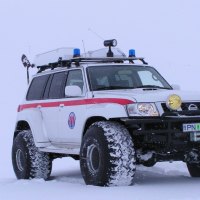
(73,91)
(176,87)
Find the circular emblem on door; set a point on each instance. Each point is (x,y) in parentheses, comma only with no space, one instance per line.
(72,120)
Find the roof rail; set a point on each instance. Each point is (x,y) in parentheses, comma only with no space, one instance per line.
(68,56)
(78,60)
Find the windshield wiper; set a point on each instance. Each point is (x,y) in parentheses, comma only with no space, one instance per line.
(153,86)
(113,88)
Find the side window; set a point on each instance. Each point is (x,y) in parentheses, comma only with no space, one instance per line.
(37,87)
(46,92)
(56,90)
(75,77)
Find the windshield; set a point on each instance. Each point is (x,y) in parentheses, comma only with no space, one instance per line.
(125,77)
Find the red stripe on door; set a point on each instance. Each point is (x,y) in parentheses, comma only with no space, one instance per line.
(76,103)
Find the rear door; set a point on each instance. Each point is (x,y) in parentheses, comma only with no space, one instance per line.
(35,101)
(53,96)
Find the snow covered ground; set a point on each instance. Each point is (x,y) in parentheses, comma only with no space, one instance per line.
(167,33)
(166,181)
(163,181)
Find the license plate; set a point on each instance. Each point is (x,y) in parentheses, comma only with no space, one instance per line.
(195,136)
(191,127)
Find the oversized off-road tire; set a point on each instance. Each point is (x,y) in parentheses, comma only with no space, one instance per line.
(194,169)
(28,161)
(107,156)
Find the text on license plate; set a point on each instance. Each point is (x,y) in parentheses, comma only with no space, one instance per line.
(191,127)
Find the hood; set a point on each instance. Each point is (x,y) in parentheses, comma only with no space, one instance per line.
(144,95)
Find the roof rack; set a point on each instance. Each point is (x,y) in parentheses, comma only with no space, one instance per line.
(78,60)
(68,56)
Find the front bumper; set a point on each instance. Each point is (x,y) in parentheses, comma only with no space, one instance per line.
(164,131)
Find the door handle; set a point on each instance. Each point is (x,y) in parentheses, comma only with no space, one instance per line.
(39,108)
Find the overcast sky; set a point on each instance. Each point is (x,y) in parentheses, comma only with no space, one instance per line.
(167,33)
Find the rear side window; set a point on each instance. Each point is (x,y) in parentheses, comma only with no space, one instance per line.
(37,87)
(57,85)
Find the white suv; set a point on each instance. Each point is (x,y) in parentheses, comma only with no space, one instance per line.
(107,111)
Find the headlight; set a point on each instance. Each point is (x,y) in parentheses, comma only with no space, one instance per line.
(174,102)
(142,109)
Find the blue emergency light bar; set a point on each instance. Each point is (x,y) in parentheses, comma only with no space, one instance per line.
(77,53)
(132,53)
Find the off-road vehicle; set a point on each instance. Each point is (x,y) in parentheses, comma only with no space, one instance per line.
(107,110)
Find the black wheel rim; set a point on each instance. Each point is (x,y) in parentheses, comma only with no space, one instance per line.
(93,158)
(20,160)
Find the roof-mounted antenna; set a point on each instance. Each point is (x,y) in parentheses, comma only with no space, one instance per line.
(107,43)
(84,47)
(27,65)
(96,34)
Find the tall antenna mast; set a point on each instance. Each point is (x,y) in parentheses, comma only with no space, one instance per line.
(84,47)
(96,34)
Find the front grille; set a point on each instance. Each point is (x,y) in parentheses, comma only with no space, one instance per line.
(184,106)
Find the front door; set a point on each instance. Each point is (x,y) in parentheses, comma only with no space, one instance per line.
(72,111)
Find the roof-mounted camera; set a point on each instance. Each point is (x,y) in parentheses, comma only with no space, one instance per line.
(109,44)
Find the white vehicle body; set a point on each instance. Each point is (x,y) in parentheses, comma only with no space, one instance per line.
(106,112)
(48,119)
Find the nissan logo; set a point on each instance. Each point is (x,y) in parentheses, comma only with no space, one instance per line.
(192,107)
